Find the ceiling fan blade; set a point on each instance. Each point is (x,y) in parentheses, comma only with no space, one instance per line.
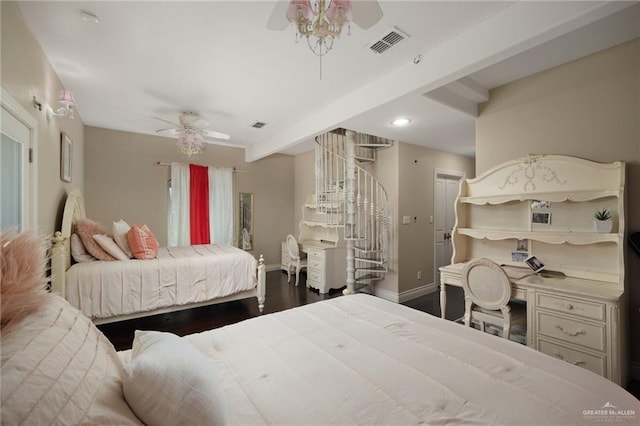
(278,19)
(166,121)
(215,135)
(170,132)
(199,123)
(366,13)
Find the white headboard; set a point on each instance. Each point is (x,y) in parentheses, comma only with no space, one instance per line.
(61,250)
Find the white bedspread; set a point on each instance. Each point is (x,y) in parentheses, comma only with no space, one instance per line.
(362,360)
(180,275)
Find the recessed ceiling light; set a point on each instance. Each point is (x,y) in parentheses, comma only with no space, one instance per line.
(401,122)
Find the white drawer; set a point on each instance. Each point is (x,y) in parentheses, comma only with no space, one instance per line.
(315,252)
(595,363)
(572,330)
(572,306)
(315,276)
(314,263)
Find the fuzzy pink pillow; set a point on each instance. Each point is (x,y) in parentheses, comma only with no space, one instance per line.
(86,229)
(23,283)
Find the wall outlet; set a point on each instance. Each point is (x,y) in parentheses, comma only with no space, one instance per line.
(419,275)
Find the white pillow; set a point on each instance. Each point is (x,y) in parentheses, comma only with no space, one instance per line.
(78,252)
(169,381)
(107,244)
(120,230)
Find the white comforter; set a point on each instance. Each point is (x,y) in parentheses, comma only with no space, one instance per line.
(179,276)
(362,360)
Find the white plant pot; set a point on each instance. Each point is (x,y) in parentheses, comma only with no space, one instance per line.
(602,226)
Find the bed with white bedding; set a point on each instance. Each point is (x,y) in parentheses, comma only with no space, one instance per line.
(179,278)
(349,360)
(362,360)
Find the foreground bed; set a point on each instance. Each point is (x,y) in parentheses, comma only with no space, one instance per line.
(363,360)
(179,278)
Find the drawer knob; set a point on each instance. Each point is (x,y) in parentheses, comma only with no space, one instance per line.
(569,333)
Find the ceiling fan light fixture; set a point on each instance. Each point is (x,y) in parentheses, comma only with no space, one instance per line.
(318,23)
(190,144)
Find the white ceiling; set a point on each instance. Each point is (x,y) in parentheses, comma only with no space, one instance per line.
(146,59)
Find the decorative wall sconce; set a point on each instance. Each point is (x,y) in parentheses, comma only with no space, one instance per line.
(37,104)
(67,106)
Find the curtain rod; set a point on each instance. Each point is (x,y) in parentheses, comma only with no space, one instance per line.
(160,163)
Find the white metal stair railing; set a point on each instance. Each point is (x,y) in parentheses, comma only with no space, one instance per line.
(350,197)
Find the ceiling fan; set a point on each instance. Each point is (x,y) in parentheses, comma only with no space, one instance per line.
(190,123)
(365,14)
(320,22)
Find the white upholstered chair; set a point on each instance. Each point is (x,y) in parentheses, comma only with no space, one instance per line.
(487,292)
(295,258)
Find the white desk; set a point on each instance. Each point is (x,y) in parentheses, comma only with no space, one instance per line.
(573,319)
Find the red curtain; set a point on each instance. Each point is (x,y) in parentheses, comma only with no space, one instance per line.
(199,204)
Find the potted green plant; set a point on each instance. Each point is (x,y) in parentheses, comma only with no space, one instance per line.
(602,220)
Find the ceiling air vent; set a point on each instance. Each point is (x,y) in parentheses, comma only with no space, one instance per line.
(388,39)
(258,125)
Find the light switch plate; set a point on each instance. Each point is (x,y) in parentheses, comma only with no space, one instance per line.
(406,220)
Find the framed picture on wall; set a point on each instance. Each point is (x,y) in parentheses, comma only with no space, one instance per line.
(66,155)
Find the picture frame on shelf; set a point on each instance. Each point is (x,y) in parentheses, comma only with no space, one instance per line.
(541,218)
(66,156)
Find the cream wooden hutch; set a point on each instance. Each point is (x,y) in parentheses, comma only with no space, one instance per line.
(321,238)
(543,205)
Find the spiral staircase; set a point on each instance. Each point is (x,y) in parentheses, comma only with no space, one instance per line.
(348,197)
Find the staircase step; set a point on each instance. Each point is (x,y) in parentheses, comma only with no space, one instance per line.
(360,250)
(372,270)
(368,277)
(365,159)
(374,261)
(375,145)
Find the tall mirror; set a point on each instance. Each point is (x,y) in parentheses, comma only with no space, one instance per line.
(245,236)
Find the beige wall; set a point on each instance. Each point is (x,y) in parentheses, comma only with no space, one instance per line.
(589,108)
(124,182)
(26,72)
(416,171)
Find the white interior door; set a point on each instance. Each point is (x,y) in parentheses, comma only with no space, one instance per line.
(17,181)
(446,191)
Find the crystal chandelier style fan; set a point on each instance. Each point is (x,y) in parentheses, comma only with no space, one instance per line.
(322,21)
(192,134)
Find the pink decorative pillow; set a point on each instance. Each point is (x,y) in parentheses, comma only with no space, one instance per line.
(86,229)
(22,278)
(143,243)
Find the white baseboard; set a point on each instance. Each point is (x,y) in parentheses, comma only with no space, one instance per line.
(405,295)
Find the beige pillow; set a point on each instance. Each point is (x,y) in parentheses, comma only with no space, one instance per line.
(86,229)
(78,252)
(110,246)
(120,230)
(170,382)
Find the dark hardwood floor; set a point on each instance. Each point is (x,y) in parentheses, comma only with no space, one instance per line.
(280,296)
